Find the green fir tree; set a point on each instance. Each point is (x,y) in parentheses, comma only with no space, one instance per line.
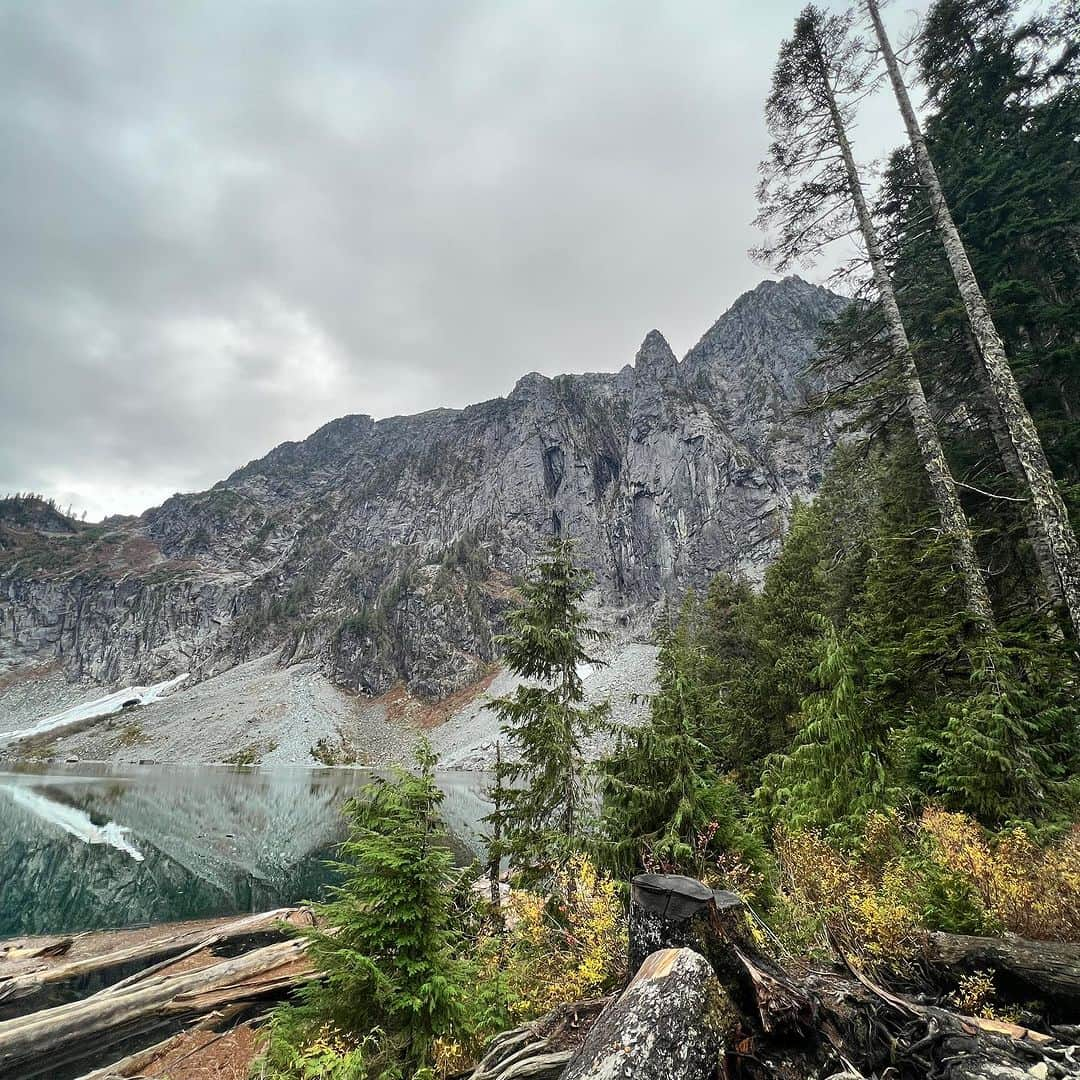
(546,721)
(386,942)
(664,803)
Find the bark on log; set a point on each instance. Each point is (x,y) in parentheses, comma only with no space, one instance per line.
(1029,969)
(27,992)
(132,1066)
(671,1023)
(30,1045)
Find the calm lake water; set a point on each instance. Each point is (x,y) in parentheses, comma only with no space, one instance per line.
(84,847)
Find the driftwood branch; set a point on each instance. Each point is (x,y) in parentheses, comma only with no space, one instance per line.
(29,991)
(32,1045)
(540,1050)
(134,1064)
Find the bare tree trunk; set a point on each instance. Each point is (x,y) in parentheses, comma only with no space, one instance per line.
(1048,506)
(942,484)
(1049,591)
(495,848)
(28,991)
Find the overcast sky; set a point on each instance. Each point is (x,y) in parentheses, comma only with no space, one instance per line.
(225,222)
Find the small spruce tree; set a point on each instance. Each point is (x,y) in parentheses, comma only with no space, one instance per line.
(546,720)
(386,941)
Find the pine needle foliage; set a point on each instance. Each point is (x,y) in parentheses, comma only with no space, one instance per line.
(848,685)
(835,772)
(387,941)
(546,721)
(662,795)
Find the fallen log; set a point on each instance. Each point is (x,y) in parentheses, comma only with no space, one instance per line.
(673,1022)
(33,1045)
(58,947)
(875,1030)
(798,1022)
(1043,970)
(29,991)
(133,1065)
(850,1021)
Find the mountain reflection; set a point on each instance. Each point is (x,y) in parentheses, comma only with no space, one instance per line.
(119,846)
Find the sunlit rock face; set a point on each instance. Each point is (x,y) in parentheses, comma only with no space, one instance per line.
(387,550)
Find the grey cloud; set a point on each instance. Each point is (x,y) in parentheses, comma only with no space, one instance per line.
(224,224)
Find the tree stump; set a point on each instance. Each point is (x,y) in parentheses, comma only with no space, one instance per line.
(673,1022)
(669,911)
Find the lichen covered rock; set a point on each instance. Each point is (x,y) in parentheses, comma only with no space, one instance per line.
(671,1023)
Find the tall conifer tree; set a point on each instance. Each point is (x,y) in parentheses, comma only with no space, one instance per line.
(546,720)
(1048,506)
(811,191)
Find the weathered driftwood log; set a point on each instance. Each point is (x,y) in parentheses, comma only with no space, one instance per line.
(133,1065)
(673,1022)
(29,991)
(1028,969)
(37,1044)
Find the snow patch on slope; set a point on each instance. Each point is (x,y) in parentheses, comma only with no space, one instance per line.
(93,710)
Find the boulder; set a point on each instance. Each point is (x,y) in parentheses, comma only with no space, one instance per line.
(672,1022)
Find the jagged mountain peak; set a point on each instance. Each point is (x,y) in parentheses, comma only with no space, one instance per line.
(772,329)
(791,288)
(655,359)
(790,302)
(530,383)
(383,550)
(654,344)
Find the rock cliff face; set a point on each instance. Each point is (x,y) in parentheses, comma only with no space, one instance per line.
(387,550)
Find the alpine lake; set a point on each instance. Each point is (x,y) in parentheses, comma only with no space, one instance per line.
(87,846)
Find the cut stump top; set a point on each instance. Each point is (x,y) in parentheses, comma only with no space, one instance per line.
(673,896)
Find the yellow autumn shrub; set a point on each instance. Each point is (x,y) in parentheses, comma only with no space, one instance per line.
(873,903)
(839,899)
(974,996)
(566,949)
(1030,890)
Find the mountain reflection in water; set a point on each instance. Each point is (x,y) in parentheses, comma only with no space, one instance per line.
(85,847)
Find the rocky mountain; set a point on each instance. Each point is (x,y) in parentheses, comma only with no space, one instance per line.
(386,551)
